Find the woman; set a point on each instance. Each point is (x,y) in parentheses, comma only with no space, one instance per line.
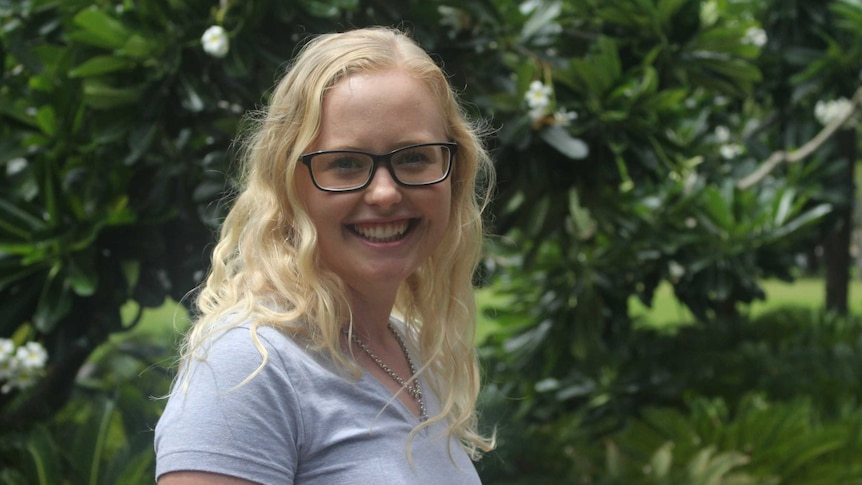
(361,200)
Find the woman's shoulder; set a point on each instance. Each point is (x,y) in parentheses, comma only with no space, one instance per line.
(246,348)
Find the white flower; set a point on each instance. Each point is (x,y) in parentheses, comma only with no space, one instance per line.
(731,150)
(8,367)
(7,348)
(31,356)
(20,367)
(675,270)
(7,358)
(215,41)
(826,111)
(755,36)
(564,118)
(538,96)
(22,379)
(722,134)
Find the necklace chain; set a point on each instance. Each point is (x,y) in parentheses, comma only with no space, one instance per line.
(414,389)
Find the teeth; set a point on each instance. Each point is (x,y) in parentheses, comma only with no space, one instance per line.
(381,232)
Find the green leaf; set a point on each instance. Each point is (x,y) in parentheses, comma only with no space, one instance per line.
(718,209)
(613,459)
(101,441)
(802,220)
(100,29)
(44,456)
(140,139)
(54,301)
(18,221)
(140,47)
(662,459)
(19,300)
(735,69)
(850,12)
(710,468)
(584,225)
(601,71)
(83,277)
(191,100)
(101,65)
(47,120)
(544,14)
(101,95)
(560,139)
(13,271)
(138,469)
(785,205)
(667,9)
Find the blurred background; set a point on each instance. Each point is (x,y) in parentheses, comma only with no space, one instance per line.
(671,290)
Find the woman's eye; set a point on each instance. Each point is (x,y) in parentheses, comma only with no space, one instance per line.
(412,157)
(344,163)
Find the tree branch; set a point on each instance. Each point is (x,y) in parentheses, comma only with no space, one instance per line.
(780,156)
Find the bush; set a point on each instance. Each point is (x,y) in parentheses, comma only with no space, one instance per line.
(104,434)
(770,400)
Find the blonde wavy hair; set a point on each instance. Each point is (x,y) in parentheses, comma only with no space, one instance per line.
(265,267)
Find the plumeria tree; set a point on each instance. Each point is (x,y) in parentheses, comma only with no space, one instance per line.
(117,123)
(813,61)
(627,131)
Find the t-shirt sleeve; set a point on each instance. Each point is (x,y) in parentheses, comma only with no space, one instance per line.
(220,424)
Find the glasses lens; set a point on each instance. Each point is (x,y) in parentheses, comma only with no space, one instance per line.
(421,165)
(341,170)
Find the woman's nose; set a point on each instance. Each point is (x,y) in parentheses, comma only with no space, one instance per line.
(383,190)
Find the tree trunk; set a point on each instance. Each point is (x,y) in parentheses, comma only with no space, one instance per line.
(837,244)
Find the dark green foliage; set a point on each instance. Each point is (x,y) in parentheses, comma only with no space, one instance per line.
(774,400)
(104,435)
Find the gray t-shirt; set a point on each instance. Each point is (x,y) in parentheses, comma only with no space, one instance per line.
(298,421)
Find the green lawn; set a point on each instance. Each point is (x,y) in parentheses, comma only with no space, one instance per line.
(666,311)
(808,293)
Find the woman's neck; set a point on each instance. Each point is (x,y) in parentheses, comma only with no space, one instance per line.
(371,315)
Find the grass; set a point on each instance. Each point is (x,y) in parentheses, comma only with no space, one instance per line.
(166,323)
(807,292)
(666,311)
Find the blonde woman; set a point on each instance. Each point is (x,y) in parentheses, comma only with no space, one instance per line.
(335,336)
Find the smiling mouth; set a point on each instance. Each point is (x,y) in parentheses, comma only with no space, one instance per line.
(385,232)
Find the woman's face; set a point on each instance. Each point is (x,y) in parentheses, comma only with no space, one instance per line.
(376,237)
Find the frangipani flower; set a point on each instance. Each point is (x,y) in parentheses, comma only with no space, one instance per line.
(731,150)
(755,36)
(7,348)
(563,117)
(215,41)
(538,96)
(31,356)
(826,111)
(20,368)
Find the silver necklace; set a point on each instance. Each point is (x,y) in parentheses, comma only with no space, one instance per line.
(413,388)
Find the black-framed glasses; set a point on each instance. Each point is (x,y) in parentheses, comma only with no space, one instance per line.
(410,166)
